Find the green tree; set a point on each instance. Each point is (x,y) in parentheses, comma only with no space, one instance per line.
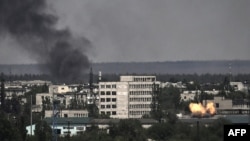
(161,131)
(22,127)
(43,131)
(169,98)
(7,129)
(93,110)
(217,126)
(156,111)
(128,130)
(2,92)
(182,132)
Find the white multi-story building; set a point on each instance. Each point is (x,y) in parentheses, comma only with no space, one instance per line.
(131,97)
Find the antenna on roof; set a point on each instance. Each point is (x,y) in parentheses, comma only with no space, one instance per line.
(230,71)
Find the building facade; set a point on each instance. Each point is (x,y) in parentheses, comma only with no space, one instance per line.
(131,97)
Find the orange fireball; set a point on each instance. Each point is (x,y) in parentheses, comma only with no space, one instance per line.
(210,108)
(198,109)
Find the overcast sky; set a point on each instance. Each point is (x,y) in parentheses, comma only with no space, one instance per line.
(151,30)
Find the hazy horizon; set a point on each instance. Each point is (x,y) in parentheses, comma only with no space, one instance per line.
(174,61)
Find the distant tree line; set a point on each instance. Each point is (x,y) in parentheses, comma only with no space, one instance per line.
(202,78)
(199,78)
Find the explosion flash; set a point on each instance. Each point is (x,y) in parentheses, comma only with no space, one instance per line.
(198,109)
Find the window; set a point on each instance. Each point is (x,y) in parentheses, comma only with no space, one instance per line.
(102,99)
(107,93)
(108,99)
(114,113)
(102,86)
(108,86)
(108,106)
(113,106)
(113,99)
(102,93)
(113,92)
(102,106)
(217,105)
(113,86)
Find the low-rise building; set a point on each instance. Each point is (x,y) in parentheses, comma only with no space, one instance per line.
(68,113)
(64,126)
(74,126)
(229,106)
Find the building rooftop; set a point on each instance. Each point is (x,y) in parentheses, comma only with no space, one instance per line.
(72,120)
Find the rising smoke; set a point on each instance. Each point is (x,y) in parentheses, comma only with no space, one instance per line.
(29,23)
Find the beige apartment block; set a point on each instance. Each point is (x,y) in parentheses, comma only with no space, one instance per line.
(131,97)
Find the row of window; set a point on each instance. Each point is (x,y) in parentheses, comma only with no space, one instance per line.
(140,93)
(113,86)
(108,86)
(108,99)
(139,112)
(80,115)
(141,86)
(140,99)
(107,106)
(135,106)
(108,93)
(108,113)
(147,79)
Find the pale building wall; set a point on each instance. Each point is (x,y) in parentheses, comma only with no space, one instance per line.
(238,86)
(59,89)
(222,103)
(140,98)
(122,100)
(114,99)
(68,113)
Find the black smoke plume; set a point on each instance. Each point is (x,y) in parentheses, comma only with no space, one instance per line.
(29,23)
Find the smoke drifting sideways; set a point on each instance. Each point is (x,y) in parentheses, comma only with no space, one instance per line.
(29,23)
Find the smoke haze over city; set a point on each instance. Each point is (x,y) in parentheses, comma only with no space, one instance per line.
(144,30)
